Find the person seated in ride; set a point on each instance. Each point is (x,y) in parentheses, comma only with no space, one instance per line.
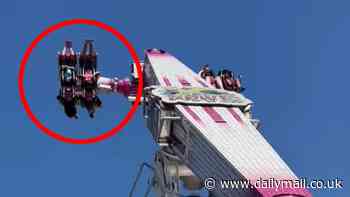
(67,99)
(208,75)
(88,76)
(238,84)
(68,77)
(91,101)
(89,79)
(228,81)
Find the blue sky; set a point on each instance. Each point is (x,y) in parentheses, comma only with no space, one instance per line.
(294,56)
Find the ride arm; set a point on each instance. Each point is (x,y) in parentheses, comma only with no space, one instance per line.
(122,86)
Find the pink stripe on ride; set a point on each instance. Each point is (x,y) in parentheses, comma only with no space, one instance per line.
(210,110)
(192,113)
(235,115)
(183,81)
(166,81)
(214,114)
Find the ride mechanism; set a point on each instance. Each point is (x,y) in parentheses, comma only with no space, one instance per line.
(202,124)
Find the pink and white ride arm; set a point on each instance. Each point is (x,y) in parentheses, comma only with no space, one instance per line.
(122,86)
